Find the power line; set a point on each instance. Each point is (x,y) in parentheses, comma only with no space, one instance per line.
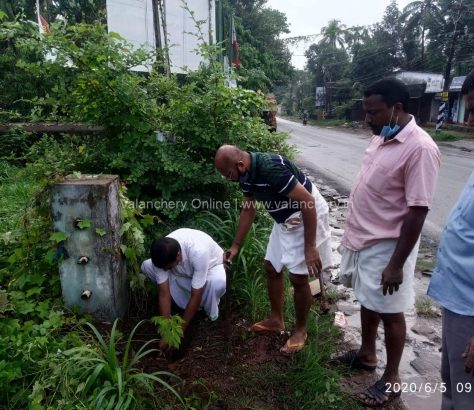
(380,51)
(440,35)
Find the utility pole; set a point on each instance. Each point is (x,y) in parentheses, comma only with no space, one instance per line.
(327,91)
(452,48)
(220,29)
(444,107)
(156,28)
(161,10)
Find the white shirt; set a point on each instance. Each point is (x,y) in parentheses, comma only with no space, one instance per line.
(199,253)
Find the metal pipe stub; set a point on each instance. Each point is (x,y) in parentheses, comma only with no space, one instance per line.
(83,260)
(86,294)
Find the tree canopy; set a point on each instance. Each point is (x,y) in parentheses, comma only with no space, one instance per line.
(265,58)
(427,35)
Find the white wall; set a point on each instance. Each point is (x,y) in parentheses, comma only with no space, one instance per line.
(133,20)
(182,46)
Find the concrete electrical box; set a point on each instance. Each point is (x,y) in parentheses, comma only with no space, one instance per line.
(93,274)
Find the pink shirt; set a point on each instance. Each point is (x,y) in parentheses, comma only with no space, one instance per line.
(395,175)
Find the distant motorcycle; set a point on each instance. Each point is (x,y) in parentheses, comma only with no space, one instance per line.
(304,117)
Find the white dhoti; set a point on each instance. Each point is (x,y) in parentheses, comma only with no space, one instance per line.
(180,287)
(286,243)
(362,270)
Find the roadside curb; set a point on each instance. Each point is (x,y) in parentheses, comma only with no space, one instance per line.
(463,145)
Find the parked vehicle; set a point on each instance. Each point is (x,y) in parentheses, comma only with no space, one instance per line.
(269,114)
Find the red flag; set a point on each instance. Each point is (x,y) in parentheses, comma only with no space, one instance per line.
(235,47)
(44,24)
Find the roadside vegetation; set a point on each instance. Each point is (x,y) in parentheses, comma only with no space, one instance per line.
(442,136)
(430,36)
(52,357)
(425,306)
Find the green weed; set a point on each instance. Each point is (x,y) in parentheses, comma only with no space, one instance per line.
(442,136)
(315,383)
(425,264)
(307,381)
(333,294)
(16,191)
(424,306)
(100,376)
(329,123)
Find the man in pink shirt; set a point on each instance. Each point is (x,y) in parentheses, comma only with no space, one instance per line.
(388,205)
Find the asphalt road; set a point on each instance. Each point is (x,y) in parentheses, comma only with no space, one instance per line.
(336,155)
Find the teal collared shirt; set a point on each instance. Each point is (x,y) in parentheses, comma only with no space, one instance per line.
(452,282)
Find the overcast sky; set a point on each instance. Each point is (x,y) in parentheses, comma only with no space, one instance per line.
(309,16)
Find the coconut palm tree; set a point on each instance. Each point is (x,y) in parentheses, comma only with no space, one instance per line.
(356,35)
(333,34)
(418,14)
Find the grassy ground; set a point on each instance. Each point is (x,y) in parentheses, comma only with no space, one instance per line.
(264,379)
(16,191)
(256,375)
(424,306)
(423,264)
(248,372)
(444,136)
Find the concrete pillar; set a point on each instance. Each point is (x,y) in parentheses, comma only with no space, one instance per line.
(97,283)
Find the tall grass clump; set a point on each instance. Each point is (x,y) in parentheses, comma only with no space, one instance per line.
(16,191)
(102,375)
(315,381)
(248,277)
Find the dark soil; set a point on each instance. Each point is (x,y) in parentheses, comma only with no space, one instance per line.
(222,369)
(227,366)
(219,370)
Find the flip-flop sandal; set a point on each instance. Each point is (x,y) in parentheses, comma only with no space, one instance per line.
(291,348)
(377,395)
(352,360)
(260,327)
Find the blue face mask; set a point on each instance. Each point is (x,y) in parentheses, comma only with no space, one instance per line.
(387,130)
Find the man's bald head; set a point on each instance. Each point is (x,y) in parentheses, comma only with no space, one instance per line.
(231,161)
(228,153)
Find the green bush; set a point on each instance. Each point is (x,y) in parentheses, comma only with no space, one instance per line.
(93,84)
(20,46)
(34,324)
(15,144)
(340,111)
(90,81)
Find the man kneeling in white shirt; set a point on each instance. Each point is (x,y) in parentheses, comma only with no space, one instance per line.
(187,265)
